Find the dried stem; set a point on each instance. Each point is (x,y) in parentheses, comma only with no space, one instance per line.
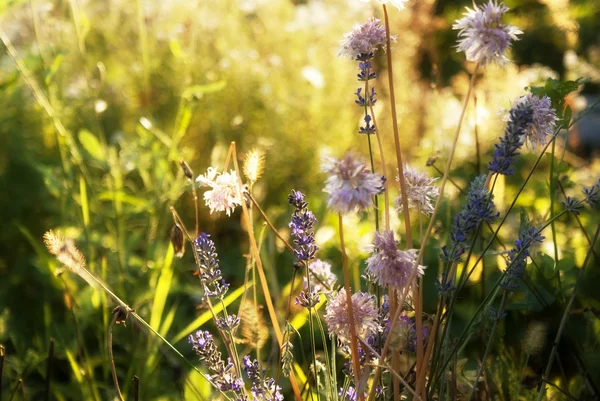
(261,273)
(2,357)
(111,359)
(353,342)
(136,388)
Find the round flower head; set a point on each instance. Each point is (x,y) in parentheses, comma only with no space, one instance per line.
(321,277)
(481,35)
(363,40)
(224,194)
(388,265)
(397,3)
(544,119)
(419,190)
(365,316)
(350,185)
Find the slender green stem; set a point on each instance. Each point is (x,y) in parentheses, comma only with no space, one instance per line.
(553,226)
(488,347)
(136,388)
(312,329)
(521,375)
(565,317)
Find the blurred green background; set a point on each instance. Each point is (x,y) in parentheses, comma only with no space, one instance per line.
(100,99)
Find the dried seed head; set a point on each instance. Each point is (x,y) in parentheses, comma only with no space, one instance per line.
(65,251)
(254,165)
(535,338)
(177,241)
(254,331)
(187,171)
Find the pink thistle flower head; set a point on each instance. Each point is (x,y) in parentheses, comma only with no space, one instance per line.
(482,37)
(224,194)
(365,316)
(420,191)
(544,119)
(399,4)
(350,184)
(388,265)
(363,39)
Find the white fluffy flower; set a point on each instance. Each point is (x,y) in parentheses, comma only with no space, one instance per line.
(397,3)
(224,194)
(482,36)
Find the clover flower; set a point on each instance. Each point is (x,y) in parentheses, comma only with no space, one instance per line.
(482,37)
(363,40)
(263,388)
(478,209)
(322,279)
(208,266)
(399,4)
(520,120)
(222,374)
(350,185)
(302,223)
(365,316)
(420,191)
(224,194)
(388,265)
(517,257)
(544,119)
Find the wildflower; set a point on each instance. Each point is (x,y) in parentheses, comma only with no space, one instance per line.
(444,286)
(520,119)
(544,119)
(482,36)
(399,4)
(365,315)
(350,185)
(389,266)
(263,388)
(363,41)
(225,194)
(420,191)
(592,194)
(222,374)
(302,223)
(497,314)
(229,323)
(65,251)
(478,209)
(322,279)
(208,267)
(517,257)
(307,299)
(573,205)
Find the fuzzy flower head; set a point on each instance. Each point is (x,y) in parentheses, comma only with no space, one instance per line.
(482,36)
(224,194)
(350,185)
(399,4)
(388,265)
(420,191)
(321,277)
(365,316)
(363,40)
(544,119)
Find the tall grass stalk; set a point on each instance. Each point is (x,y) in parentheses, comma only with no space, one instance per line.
(111,358)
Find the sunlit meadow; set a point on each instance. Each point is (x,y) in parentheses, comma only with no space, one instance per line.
(299,200)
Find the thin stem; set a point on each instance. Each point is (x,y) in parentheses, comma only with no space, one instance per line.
(111,359)
(521,376)
(353,338)
(49,364)
(487,348)
(402,179)
(271,226)
(552,190)
(386,195)
(136,388)
(565,317)
(312,331)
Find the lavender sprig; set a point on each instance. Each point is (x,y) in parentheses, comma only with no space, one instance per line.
(208,265)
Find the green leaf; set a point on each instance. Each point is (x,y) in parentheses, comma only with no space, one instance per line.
(91,144)
(54,67)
